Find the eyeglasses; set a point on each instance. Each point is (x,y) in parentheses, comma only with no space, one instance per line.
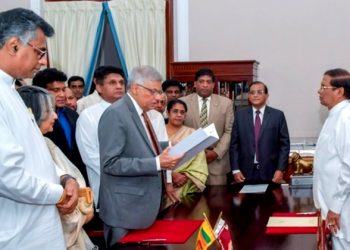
(322,88)
(256,92)
(41,53)
(152,91)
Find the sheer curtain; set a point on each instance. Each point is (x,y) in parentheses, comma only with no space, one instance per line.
(75,24)
(140,25)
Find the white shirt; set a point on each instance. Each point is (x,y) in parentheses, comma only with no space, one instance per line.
(86,135)
(29,185)
(88,101)
(331,184)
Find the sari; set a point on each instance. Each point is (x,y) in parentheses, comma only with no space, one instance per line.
(196,169)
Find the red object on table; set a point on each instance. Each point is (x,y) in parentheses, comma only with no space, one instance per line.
(164,232)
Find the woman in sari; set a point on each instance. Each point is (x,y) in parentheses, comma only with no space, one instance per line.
(40,104)
(192,175)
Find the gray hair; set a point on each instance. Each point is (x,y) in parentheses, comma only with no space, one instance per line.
(22,23)
(141,75)
(38,100)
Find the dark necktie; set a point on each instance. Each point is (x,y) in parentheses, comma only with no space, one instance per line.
(257,127)
(203,117)
(151,133)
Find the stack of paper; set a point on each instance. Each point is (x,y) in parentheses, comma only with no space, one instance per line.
(195,143)
(292,223)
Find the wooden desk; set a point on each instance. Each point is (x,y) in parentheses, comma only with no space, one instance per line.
(246,215)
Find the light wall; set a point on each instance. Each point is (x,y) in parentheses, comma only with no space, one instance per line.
(6,5)
(294,41)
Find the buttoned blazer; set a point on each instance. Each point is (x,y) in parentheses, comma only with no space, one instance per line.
(221,114)
(131,186)
(273,146)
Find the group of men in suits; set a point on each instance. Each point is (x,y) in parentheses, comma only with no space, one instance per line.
(239,145)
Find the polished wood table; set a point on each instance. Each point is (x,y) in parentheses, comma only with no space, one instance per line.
(246,215)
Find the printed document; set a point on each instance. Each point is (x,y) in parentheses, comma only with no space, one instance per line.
(195,143)
(254,189)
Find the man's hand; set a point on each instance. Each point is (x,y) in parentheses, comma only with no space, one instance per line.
(239,177)
(333,221)
(179,179)
(170,192)
(278,176)
(71,195)
(167,161)
(210,155)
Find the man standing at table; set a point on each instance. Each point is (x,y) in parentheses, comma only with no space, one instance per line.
(260,142)
(205,108)
(131,158)
(331,184)
(29,186)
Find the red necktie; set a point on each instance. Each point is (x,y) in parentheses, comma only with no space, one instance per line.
(257,127)
(151,133)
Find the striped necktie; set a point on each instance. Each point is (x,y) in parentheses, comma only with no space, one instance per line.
(203,118)
(152,134)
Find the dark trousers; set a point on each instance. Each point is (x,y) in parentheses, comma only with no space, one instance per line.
(113,234)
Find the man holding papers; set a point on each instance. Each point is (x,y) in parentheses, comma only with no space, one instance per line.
(205,108)
(131,158)
(260,140)
(332,162)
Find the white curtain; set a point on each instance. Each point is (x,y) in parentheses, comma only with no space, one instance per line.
(141,30)
(75,24)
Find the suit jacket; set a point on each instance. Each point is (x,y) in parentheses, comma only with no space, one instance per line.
(274,144)
(221,114)
(131,186)
(59,138)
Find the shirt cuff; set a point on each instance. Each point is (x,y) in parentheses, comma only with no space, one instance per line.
(169,178)
(235,171)
(158,163)
(336,206)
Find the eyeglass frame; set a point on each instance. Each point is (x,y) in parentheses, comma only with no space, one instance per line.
(256,92)
(41,53)
(322,88)
(152,91)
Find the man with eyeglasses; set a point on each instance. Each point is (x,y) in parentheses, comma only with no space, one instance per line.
(331,183)
(131,158)
(205,108)
(260,143)
(29,186)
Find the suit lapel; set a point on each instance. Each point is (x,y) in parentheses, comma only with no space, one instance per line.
(250,122)
(137,121)
(266,119)
(213,110)
(195,109)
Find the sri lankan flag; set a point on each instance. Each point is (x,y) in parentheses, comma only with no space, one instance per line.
(205,236)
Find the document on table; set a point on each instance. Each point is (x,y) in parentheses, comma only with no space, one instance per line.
(196,142)
(254,189)
(280,221)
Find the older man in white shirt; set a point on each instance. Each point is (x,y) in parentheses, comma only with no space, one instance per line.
(30,190)
(332,159)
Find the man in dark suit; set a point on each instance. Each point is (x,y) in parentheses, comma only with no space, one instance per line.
(131,158)
(63,134)
(260,143)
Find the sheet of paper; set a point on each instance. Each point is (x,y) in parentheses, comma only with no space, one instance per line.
(254,189)
(276,221)
(195,143)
